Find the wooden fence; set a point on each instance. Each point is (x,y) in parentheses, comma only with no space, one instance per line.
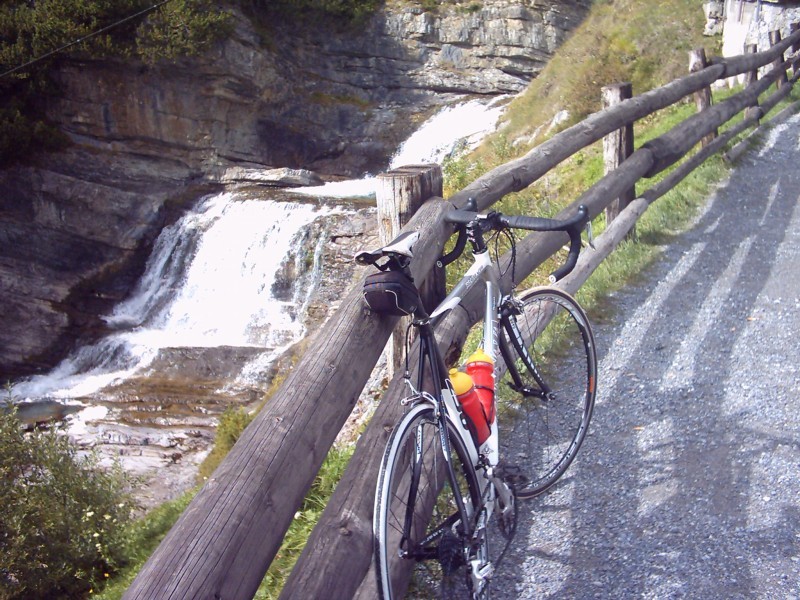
(225,540)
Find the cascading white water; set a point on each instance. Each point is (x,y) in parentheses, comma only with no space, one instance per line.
(454,128)
(208,280)
(208,283)
(222,296)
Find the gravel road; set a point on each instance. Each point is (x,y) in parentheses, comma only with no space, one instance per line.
(688,485)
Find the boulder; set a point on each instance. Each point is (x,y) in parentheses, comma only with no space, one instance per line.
(281,177)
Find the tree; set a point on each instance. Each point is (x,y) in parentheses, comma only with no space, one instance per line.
(33,34)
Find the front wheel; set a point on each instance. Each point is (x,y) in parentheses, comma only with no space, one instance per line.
(423,546)
(549,348)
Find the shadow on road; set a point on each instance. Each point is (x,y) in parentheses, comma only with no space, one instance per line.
(689,483)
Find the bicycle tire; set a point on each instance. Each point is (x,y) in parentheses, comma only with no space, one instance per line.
(434,565)
(550,339)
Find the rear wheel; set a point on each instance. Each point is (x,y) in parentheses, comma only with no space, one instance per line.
(549,341)
(423,548)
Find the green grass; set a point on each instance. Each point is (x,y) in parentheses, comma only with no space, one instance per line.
(640,41)
(304,521)
(146,534)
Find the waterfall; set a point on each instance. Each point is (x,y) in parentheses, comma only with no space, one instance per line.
(451,130)
(208,282)
(209,279)
(221,299)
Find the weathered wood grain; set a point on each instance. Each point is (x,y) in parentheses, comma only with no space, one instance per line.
(520,173)
(777,65)
(673,145)
(751,76)
(702,98)
(617,146)
(399,195)
(744,63)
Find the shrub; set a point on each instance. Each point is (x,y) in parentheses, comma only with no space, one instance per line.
(317,11)
(180,28)
(231,425)
(61,529)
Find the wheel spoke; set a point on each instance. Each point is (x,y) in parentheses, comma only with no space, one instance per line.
(420,535)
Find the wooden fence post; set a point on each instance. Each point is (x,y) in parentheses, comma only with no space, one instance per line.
(702,98)
(399,194)
(618,145)
(751,76)
(795,48)
(774,40)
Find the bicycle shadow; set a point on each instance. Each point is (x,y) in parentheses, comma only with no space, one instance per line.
(684,486)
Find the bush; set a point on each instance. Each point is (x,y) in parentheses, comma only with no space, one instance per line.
(181,28)
(61,529)
(231,425)
(317,11)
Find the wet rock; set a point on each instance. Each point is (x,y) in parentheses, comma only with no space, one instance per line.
(283,177)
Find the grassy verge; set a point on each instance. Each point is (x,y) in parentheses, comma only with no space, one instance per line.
(665,218)
(145,534)
(304,521)
(640,41)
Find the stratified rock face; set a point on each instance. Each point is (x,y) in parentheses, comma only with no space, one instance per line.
(329,101)
(71,244)
(75,226)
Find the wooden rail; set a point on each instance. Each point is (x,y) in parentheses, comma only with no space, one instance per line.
(224,542)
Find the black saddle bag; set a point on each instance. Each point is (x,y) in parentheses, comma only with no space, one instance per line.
(391,293)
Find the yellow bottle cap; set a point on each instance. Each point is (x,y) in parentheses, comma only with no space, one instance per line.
(461,381)
(480,356)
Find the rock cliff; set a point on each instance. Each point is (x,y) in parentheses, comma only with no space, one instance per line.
(76,225)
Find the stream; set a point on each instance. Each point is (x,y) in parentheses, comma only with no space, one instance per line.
(227,291)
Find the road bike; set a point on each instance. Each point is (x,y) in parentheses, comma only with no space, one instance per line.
(446,469)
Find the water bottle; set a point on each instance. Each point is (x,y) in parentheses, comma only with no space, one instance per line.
(468,398)
(480,367)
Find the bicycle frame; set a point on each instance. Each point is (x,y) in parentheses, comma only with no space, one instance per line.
(484,458)
(470,460)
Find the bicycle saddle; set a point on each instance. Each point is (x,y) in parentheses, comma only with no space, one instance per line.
(402,245)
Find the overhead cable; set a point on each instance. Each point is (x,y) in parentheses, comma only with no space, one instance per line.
(33,61)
